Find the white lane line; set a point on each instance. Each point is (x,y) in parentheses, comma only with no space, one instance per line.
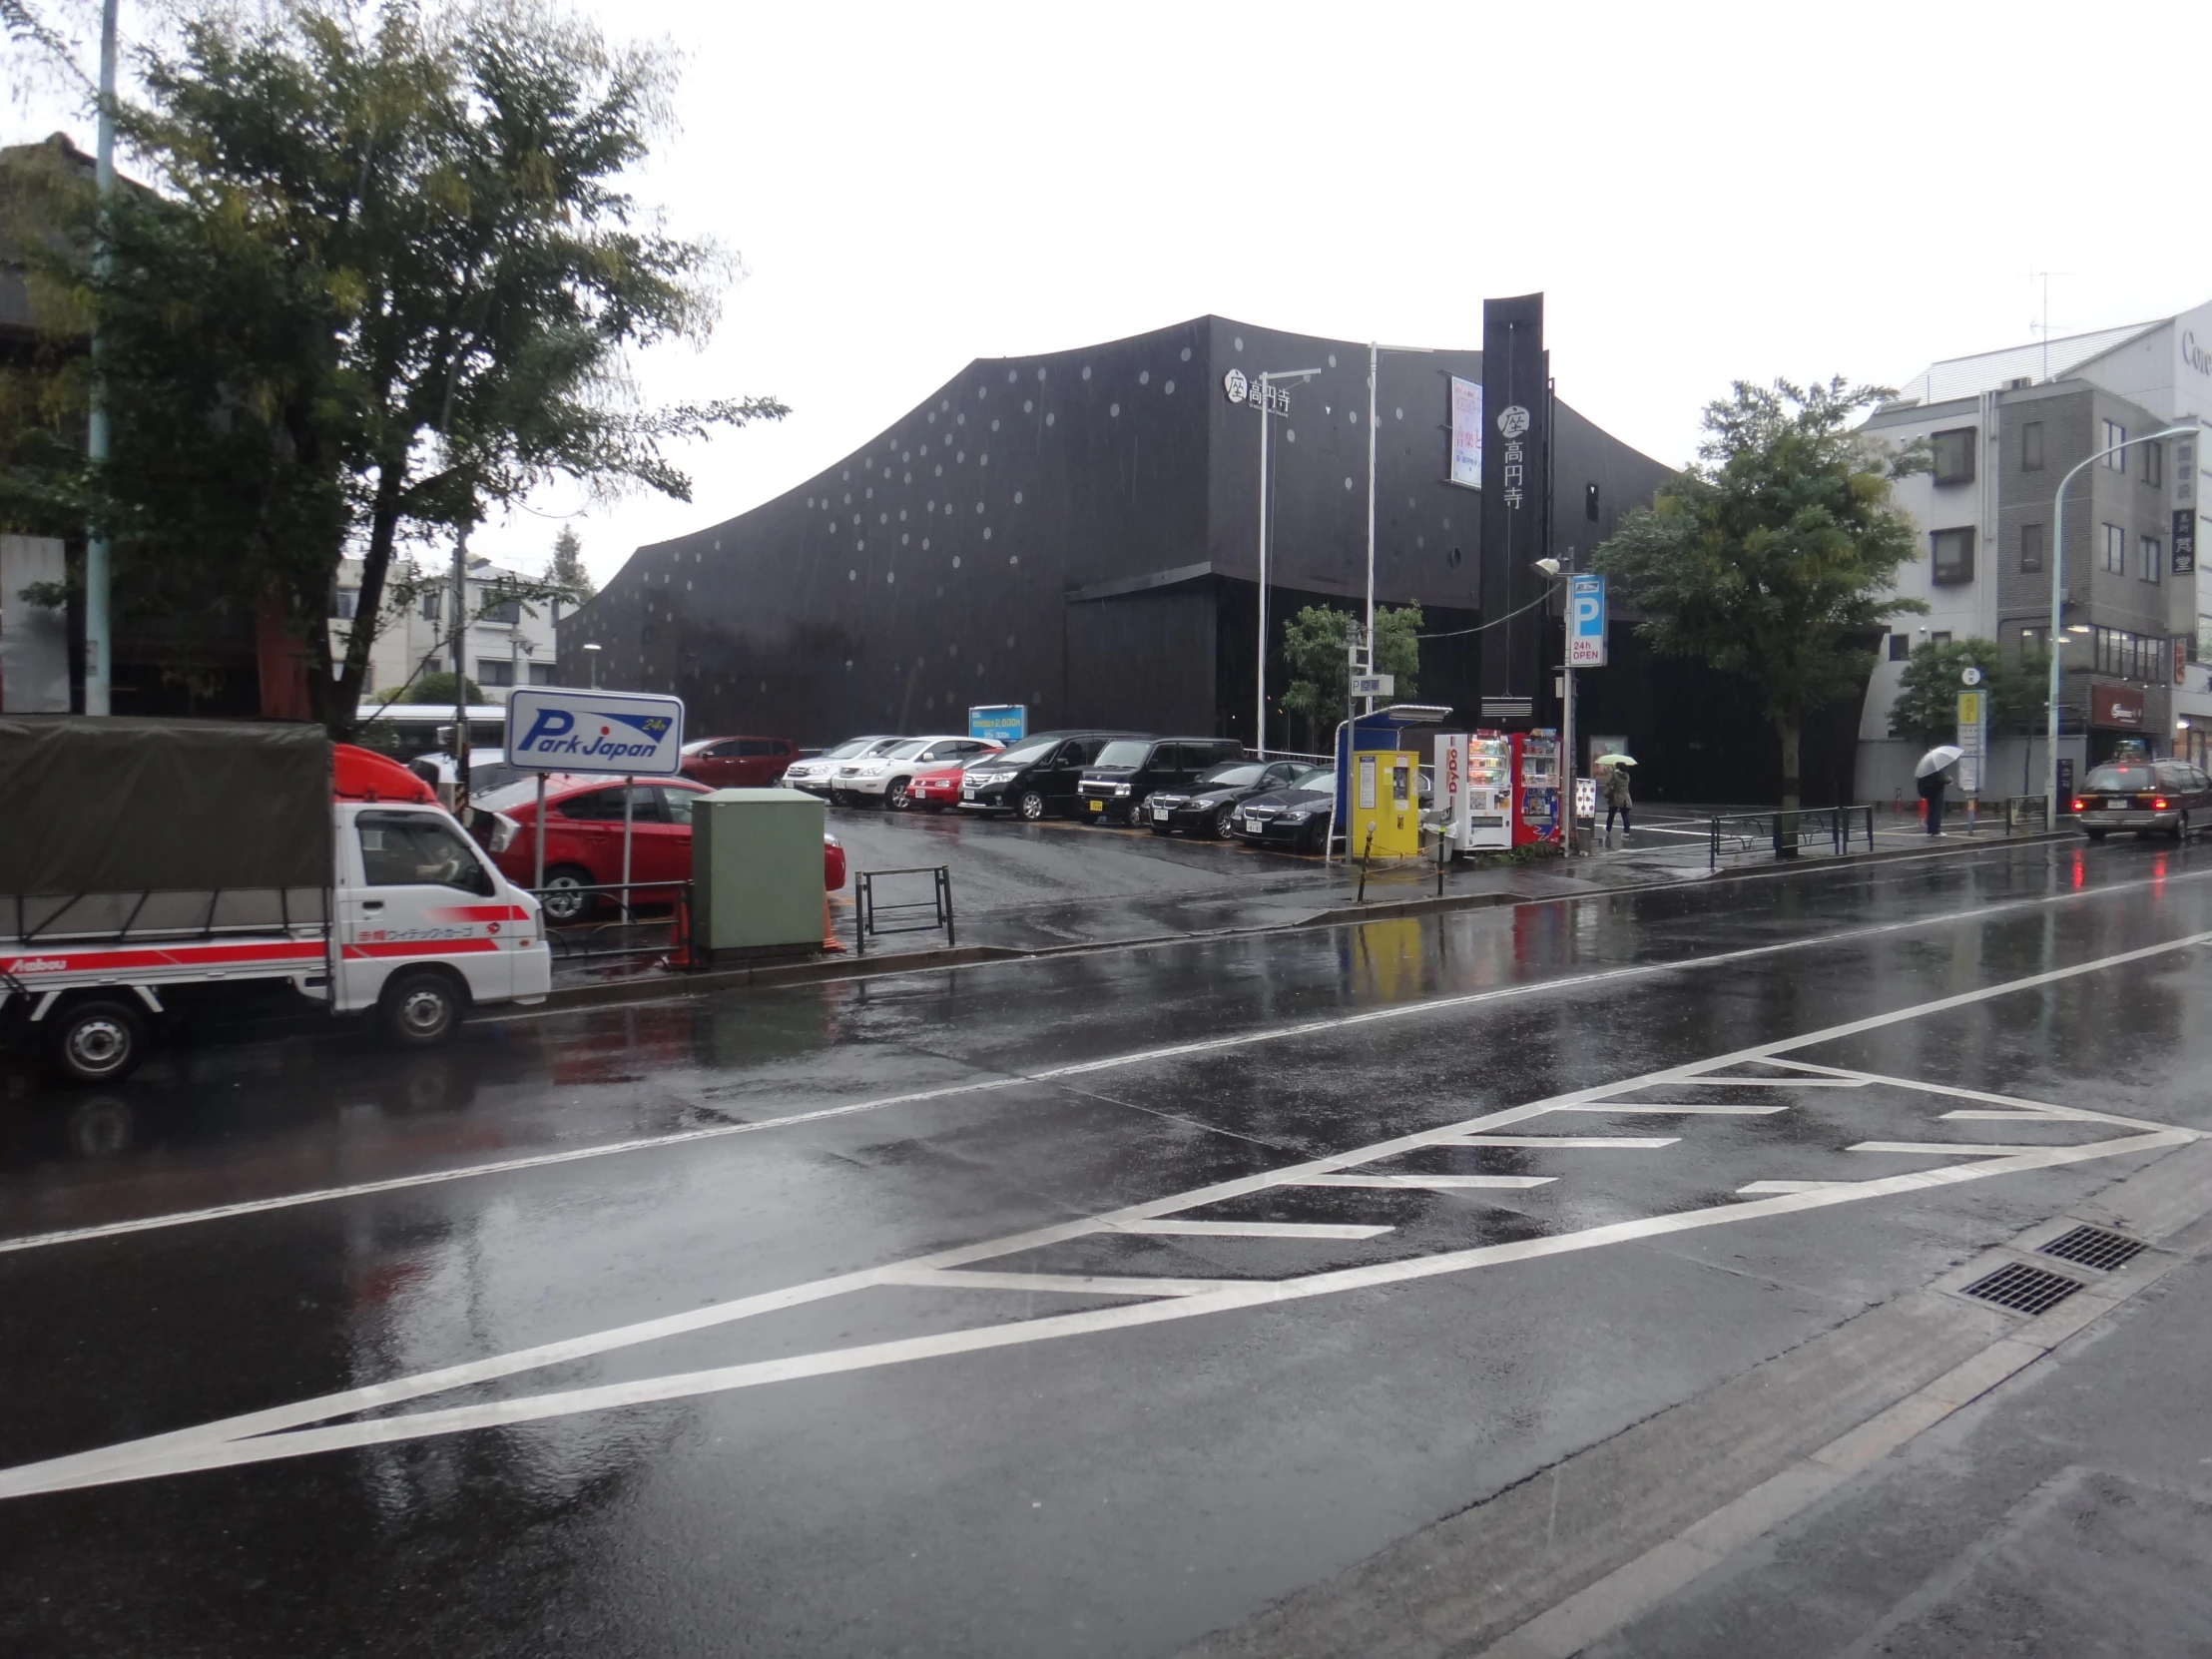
(2038,1108)
(1941,1149)
(1600,1143)
(194,1451)
(1656,1109)
(1175,1051)
(1073,1283)
(1249,1230)
(1431,1183)
(1999,1114)
(1779,1083)
(1792,1186)
(213,1444)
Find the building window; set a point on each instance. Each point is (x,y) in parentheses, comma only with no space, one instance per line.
(2128,656)
(1954,455)
(507,612)
(2204,639)
(495,671)
(2115,549)
(1901,648)
(1942,636)
(2114,435)
(2032,547)
(544,673)
(2035,637)
(1950,556)
(2154,559)
(430,606)
(433,664)
(2154,464)
(346,603)
(2032,446)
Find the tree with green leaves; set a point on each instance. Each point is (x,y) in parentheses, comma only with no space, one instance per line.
(441,688)
(386,276)
(1315,643)
(1926,705)
(1775,555)
(566,575)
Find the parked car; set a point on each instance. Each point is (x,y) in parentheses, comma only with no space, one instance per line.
(2168,795)
(583,837)
(814,773)
(738,763)
(1128,770)
(881,778)
(936,789)
(1294,816)
(1209,805)
(1036,776)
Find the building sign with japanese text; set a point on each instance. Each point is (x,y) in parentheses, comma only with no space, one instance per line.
(1467,432)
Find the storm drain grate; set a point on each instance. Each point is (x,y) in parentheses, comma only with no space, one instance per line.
(2093,1247)
(2024,1288)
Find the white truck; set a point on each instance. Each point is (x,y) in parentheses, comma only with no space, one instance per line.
(157,872)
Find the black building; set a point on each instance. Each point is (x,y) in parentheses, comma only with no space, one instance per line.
(1079,532)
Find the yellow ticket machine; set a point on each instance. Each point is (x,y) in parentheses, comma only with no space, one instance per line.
(1386,800)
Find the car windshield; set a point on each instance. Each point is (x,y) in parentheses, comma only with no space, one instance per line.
(1027,754)
(2121,778)
(1320,777)
(849,747)
(1235,774)
(907,749)
(1125,753)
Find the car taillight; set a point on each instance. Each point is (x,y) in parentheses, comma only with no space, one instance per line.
(2158,803)
(2077,803)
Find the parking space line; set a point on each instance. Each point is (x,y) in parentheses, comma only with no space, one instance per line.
(1792,1186)
(1249,1228)
(1072,1284)
(1656,1109)
(1943,1149)
(1604,1143)
(1434,1183)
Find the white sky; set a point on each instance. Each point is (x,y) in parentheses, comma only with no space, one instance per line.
(1703,191)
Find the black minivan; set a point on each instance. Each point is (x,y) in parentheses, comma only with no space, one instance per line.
(1035,777)
(1129,769)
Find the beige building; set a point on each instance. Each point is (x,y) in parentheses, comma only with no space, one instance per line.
(507,644)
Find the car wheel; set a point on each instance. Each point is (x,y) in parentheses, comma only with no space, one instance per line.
(1313,840)
(1225,824)
(2180,830)
(563,898)
(420,1008)
(838,798)
(99,1042)
(1030,807)
(899,797)
(2094,834)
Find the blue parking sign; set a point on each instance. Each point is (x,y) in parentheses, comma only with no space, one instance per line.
(1586,620)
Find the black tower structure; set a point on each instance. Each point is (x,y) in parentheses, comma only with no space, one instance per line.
(1079,532)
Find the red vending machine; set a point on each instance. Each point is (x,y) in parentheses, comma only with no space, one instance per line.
(1537,786)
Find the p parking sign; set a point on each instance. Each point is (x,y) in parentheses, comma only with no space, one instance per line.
(1586,620)
(625,733)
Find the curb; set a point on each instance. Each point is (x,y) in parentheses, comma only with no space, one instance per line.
(707,983)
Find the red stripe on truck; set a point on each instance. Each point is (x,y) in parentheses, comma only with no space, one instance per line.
(482,912)
(112,958)
(419,947)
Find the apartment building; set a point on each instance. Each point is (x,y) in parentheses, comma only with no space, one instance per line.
(2003,428)
(508,642)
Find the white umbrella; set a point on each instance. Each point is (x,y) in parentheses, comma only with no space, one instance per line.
(1936,759)
(1616,760)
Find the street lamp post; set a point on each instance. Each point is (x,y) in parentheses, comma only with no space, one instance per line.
(1554,571)
(591,650)
(2058,601)
(1265,404)
(1375,422)
(99,627)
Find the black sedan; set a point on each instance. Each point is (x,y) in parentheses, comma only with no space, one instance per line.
(1208,806)
(1295,817)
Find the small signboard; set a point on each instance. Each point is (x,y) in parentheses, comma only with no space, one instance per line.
(1586,620)
(2185,541)
(552,729)
(1374,685)
(1000,722)
(1585,800)
(1973,737)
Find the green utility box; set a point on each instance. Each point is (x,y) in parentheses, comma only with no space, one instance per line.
(757,865)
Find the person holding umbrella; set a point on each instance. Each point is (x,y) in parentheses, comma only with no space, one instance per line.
(1931,773)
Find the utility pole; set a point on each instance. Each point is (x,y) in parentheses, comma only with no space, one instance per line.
(98,631)
(459,635)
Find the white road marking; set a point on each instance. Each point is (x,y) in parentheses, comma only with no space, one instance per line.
(1434,1183)
(1779,1083)
(1940,1149)
(1792,1186)
(1600,1143)
(1250,1230)
(1994,1114)
(1655,1109)
(1396,1011)
(1074,1284)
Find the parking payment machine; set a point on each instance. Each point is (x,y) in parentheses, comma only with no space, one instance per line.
(1386,800)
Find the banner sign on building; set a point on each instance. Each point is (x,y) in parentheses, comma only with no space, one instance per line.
(1000,722)
(1467,432)
(1586,620)
(2116,708)
(1517,407)
(2185,541)
(632,734)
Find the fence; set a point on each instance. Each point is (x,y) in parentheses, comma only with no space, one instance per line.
(874,919)
(574,934)
(1737,834)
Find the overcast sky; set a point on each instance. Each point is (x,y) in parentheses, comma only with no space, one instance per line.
(1702,192)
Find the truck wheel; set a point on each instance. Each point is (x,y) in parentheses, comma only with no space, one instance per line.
(1030,807)
(420,1008)
(99,1042)
(563,899)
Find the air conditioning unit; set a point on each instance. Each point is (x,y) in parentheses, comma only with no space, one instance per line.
(2020,382)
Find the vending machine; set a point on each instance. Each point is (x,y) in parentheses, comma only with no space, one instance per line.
(1537,786)
(1489,791)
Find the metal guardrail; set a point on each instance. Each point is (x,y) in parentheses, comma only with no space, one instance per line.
(1733,833)
(581,937)
(873,918)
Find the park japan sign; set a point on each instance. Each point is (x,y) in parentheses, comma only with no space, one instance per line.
(631,733)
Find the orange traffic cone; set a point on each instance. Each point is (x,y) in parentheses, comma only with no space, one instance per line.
(830,939)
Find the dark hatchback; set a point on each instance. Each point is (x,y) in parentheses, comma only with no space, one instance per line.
(1129,770)
(2172,797)
(1208,806)
(1295,817)
(1035,777)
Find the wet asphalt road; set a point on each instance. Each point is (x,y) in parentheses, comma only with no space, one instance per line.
(728,1354)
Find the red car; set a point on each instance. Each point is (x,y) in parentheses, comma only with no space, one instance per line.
(738,763)
(936,789)
(583,838)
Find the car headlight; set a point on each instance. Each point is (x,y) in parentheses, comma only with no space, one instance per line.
(1295,817)
(1121,790)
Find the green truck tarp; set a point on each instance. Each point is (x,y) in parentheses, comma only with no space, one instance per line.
(161,806)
